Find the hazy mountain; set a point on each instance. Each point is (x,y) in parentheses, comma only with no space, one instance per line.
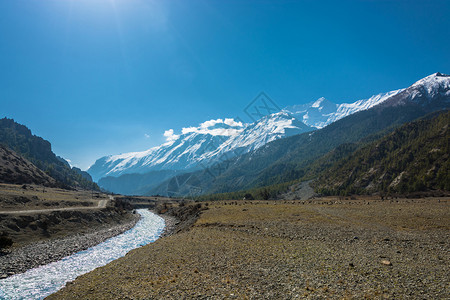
(136,184)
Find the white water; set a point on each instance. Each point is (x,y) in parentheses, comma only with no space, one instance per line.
(42,281)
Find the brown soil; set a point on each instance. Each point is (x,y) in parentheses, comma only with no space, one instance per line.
(328,248)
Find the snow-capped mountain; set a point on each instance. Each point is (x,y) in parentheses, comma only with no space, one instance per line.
(216,140)
(432,90)
(196,147)
(255,135)
(323,112)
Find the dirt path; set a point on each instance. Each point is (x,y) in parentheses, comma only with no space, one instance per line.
(101,204)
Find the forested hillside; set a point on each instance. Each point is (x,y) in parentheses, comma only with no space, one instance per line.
(413,158)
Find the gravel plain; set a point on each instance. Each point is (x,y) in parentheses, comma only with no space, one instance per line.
(334,249)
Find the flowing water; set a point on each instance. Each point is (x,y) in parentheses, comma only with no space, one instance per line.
(42,281)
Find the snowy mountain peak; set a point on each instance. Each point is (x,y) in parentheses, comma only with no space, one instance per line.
(201,145)
(322,112)
(433,83)
(432,90)
(318,102)
(213,140)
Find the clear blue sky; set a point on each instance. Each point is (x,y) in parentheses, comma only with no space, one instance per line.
(98,77)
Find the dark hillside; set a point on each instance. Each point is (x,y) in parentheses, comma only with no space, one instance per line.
(17,170)
(39,152)
(413,158)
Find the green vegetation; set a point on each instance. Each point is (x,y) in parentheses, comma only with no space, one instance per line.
(413,158)
(39,152)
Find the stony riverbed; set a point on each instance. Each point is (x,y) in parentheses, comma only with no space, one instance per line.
(40,253)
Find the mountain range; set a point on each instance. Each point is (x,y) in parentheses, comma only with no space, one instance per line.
(274,149)
(280,165)
(198,147)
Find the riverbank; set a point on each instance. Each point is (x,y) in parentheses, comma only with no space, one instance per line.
(19,260)
(328,248)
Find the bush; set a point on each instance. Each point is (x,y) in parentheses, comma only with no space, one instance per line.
(5,240)
(248,196)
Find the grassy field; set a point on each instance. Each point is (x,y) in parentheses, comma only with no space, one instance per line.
(331,248)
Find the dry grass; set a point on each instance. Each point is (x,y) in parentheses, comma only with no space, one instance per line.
(43,197)
(399,214)
(264,249)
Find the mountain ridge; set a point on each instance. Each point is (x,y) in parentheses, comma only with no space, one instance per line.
(287,159)
(302,118)
(199,146)
(215,142)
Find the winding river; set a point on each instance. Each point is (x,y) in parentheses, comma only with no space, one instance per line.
(42,281)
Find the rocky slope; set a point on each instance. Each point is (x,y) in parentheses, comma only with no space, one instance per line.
(16,169)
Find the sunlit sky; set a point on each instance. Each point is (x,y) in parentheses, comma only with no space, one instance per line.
(99,77)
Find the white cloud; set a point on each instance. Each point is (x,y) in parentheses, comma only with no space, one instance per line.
(170,136)
(232,122)
(189,129)
(207,127)
(232,128)
(210,123)
(146,135)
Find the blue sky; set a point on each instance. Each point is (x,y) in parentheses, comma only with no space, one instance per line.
(99,77)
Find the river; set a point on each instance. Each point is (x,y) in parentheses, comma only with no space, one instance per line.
(40,282)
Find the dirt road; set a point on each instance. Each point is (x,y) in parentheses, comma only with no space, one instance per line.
(101,204)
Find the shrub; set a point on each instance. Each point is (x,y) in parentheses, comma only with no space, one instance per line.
(5,240)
